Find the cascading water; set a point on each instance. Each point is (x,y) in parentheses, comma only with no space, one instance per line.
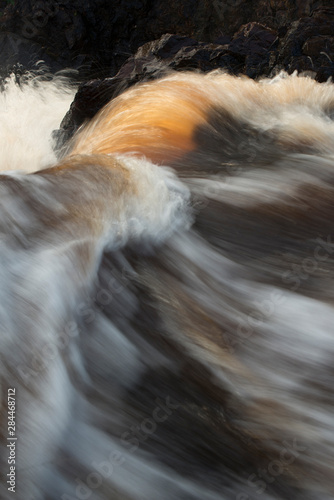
(167,292)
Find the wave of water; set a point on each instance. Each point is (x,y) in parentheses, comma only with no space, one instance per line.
(167,320)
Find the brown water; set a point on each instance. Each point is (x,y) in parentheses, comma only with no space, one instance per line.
(167,292)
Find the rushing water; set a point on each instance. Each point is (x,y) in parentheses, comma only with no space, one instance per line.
(167,291)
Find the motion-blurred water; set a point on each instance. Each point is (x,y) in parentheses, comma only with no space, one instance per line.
(167,320)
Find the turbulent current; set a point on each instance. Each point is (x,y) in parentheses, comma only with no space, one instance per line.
(166,284)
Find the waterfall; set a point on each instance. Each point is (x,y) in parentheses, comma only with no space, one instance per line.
(167,291)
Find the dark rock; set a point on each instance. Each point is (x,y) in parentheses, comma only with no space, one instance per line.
(314,45)
(179,53)
(90,97)
(308,45)
(98,36)
(255,42)
(18,55)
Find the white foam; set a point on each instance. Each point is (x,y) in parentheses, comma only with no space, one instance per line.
(29,112)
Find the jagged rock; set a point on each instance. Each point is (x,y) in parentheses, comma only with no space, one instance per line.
(309,45)
(256,43)
(98,36)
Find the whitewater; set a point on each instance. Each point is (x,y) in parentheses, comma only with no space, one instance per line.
(166,290)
